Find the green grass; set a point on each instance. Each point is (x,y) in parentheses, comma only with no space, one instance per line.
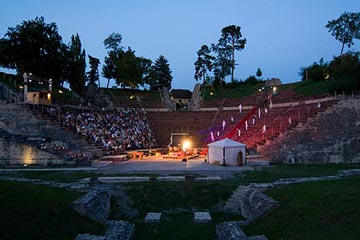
(157,197)
(178,200)
(320,210)
(175,227)
(275,172)
(40,212)
(65,176)
(237,92)
(308,88)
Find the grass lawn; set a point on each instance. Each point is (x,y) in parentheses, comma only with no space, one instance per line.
(320,210)
(40,212)
(275,172)
(327,210)
(177,202)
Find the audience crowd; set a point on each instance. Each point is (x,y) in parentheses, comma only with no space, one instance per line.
(124,129)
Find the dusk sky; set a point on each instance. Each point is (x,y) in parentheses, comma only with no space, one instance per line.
(282,35)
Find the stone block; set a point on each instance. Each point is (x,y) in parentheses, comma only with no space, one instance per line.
(94,204)
(202,217)
(207,179)
(255,204)
(232,231)
(123,179)
(152,217)
(171,179)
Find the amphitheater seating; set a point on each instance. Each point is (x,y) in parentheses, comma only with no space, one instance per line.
(193,123)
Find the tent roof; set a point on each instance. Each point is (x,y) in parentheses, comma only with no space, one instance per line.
(226,143)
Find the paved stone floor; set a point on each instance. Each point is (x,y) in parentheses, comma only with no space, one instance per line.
(166,166)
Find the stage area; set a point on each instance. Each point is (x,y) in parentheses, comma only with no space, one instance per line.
(169,166)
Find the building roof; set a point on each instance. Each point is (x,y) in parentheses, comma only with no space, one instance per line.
(181,93)
(226,143)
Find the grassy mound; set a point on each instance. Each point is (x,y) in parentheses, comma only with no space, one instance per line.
(40,212)
(320,210)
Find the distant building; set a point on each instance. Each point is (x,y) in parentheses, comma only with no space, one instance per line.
(273,82)
(37,90)
(181,97)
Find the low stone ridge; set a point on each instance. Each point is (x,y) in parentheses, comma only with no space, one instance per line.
(232,231)
(123,179)
(171,179)
(255,204)
(152,217)
(208,179)
(349,173)
(87,236)
(118,230)
(94,204)
(286,181)
(202,217)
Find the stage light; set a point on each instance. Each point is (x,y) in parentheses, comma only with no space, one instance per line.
(186,145)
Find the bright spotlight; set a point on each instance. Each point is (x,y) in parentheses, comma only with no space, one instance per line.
(186,145)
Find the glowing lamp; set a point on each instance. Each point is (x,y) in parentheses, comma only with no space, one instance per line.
(211,93)
(49,96)
(186,145)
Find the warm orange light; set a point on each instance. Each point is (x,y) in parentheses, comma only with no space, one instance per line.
(186,145)
(49,96)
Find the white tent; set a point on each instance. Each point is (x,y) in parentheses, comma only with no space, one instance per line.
(227,152)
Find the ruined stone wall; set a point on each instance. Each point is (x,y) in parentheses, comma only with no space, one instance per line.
(331,137)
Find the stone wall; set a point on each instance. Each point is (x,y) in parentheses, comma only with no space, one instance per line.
(331,137)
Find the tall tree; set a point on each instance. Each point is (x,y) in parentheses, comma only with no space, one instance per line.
(204,63)
(131,69)
(345,29)
(231,40)
(113,44)
(93,74)
(76,64)
(222,65)
(160,74)
(258,73)
(34,46)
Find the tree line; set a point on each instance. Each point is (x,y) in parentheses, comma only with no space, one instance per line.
(36,47)
(343,71)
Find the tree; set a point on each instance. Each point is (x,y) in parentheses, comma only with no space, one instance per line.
(160,74)
(93,74)
(203,63)
(259,73)
(76,64)
(113,44)
(345,29)
(222,65)
(316,71)
(231,40)
(34,47)
(344,73)
(131,70)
